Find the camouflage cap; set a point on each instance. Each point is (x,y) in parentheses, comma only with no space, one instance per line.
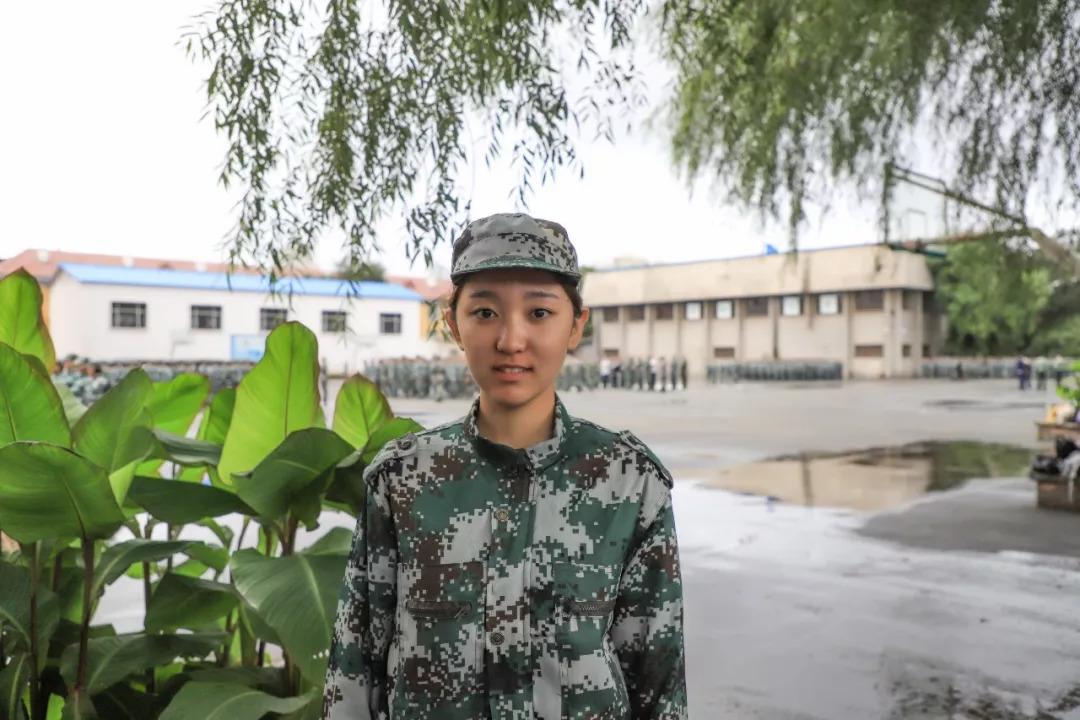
(514,240)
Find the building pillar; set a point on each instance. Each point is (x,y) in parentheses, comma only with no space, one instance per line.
(709,309)
(847,306)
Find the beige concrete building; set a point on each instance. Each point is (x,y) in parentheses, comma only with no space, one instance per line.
(865,306)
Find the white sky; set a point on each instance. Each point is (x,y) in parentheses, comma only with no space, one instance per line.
(102,150)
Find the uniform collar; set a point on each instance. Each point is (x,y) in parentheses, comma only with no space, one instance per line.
(538,456)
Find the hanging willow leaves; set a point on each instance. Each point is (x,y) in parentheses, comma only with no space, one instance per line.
(337,116)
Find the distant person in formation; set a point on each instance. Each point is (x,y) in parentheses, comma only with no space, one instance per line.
(605,371)
(1059,370)
(684,373)
(518,563)
(1042,372)
(654,370)
(663,375)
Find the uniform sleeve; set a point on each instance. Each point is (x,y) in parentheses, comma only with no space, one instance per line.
(647,631)
(356,679)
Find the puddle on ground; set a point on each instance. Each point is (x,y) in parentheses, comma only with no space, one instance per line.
(875,478)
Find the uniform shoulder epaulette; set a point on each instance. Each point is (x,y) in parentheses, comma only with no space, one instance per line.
(631,440)
(395,449)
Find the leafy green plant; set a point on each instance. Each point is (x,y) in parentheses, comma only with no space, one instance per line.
(1069,389)
(199,500)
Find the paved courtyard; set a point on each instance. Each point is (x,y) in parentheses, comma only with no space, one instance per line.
(831,587)
(963,604)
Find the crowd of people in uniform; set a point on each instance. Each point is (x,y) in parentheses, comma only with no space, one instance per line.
(654,374)
(1042,369)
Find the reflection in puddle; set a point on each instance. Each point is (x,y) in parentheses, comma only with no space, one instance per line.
(875,478)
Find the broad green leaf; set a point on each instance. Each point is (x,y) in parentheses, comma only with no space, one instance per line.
(224,533)
(110,660)
(78,706)
(209,555)
(297,597)
(278,397)
(213,429)
(293,476)
(173,407)
(186,602)
(175,404)
(360,410)
(387,432)
(268,679)
(347,485)
(338,541)
(47,491)
(123,702)
(15,606)
(13,682)
(115,432)
(55,709)
(30,408)
(21,323)
(311,711)
(180,503)
(184,450)
(220,701)
(73,409)
(117,559)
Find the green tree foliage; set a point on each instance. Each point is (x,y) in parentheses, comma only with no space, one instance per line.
(361,272)
(82,501)
(1007,298)
(771,93)
(337,116)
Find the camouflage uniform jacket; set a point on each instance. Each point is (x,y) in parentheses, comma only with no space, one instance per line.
(487,582)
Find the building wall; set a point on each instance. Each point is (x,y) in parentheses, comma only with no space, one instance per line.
(81,323)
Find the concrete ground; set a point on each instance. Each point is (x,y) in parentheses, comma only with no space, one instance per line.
(960,605)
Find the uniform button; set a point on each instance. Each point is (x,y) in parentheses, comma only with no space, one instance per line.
(502,515)
(497,638)
(406,443)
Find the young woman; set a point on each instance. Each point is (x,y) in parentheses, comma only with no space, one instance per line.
(517,563)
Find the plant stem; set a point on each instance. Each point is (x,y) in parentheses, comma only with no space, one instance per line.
(261,651)
(84,631)
(37,709)
(243,532)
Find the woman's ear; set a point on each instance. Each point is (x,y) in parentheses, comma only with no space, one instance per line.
(451,325)
(578,329)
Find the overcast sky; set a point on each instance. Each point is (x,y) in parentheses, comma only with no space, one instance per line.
(102,150)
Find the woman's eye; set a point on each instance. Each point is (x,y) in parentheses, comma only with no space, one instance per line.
(540,313)
(484,313)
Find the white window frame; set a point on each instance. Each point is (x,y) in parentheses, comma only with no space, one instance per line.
(394,318)
(692,311)
(265,313)
(828,304)
(727,314)
(212,312)
(138,315)
(791,305)
(335,315)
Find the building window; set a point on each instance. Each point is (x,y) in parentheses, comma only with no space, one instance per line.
(909,299)
(334,321)
(725,309)
(635,313)
(869,300)
(270,318)
(906,350)
(692,311)
(756,307)
(665,311)
(128,315)
(205,317)
(611,352)
(829,304)
(611,314)
(723,353)
(791,305)
(869,351)
(926,351)
(390,323)
(928,302)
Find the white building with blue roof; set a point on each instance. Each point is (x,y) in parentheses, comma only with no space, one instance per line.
(111,313)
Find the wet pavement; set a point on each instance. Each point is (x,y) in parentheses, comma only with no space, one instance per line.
(854,551)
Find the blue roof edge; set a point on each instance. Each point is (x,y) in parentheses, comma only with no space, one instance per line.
(161,277)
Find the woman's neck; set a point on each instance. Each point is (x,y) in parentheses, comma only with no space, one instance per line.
(517,427)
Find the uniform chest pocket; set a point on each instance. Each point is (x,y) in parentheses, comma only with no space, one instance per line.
(592,681)
(440,618)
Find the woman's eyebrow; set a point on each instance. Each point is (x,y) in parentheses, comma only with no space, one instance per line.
(541,294)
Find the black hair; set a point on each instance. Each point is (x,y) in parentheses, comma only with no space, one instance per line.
(569,284)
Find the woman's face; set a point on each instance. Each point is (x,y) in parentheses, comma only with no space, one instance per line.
(515,327)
